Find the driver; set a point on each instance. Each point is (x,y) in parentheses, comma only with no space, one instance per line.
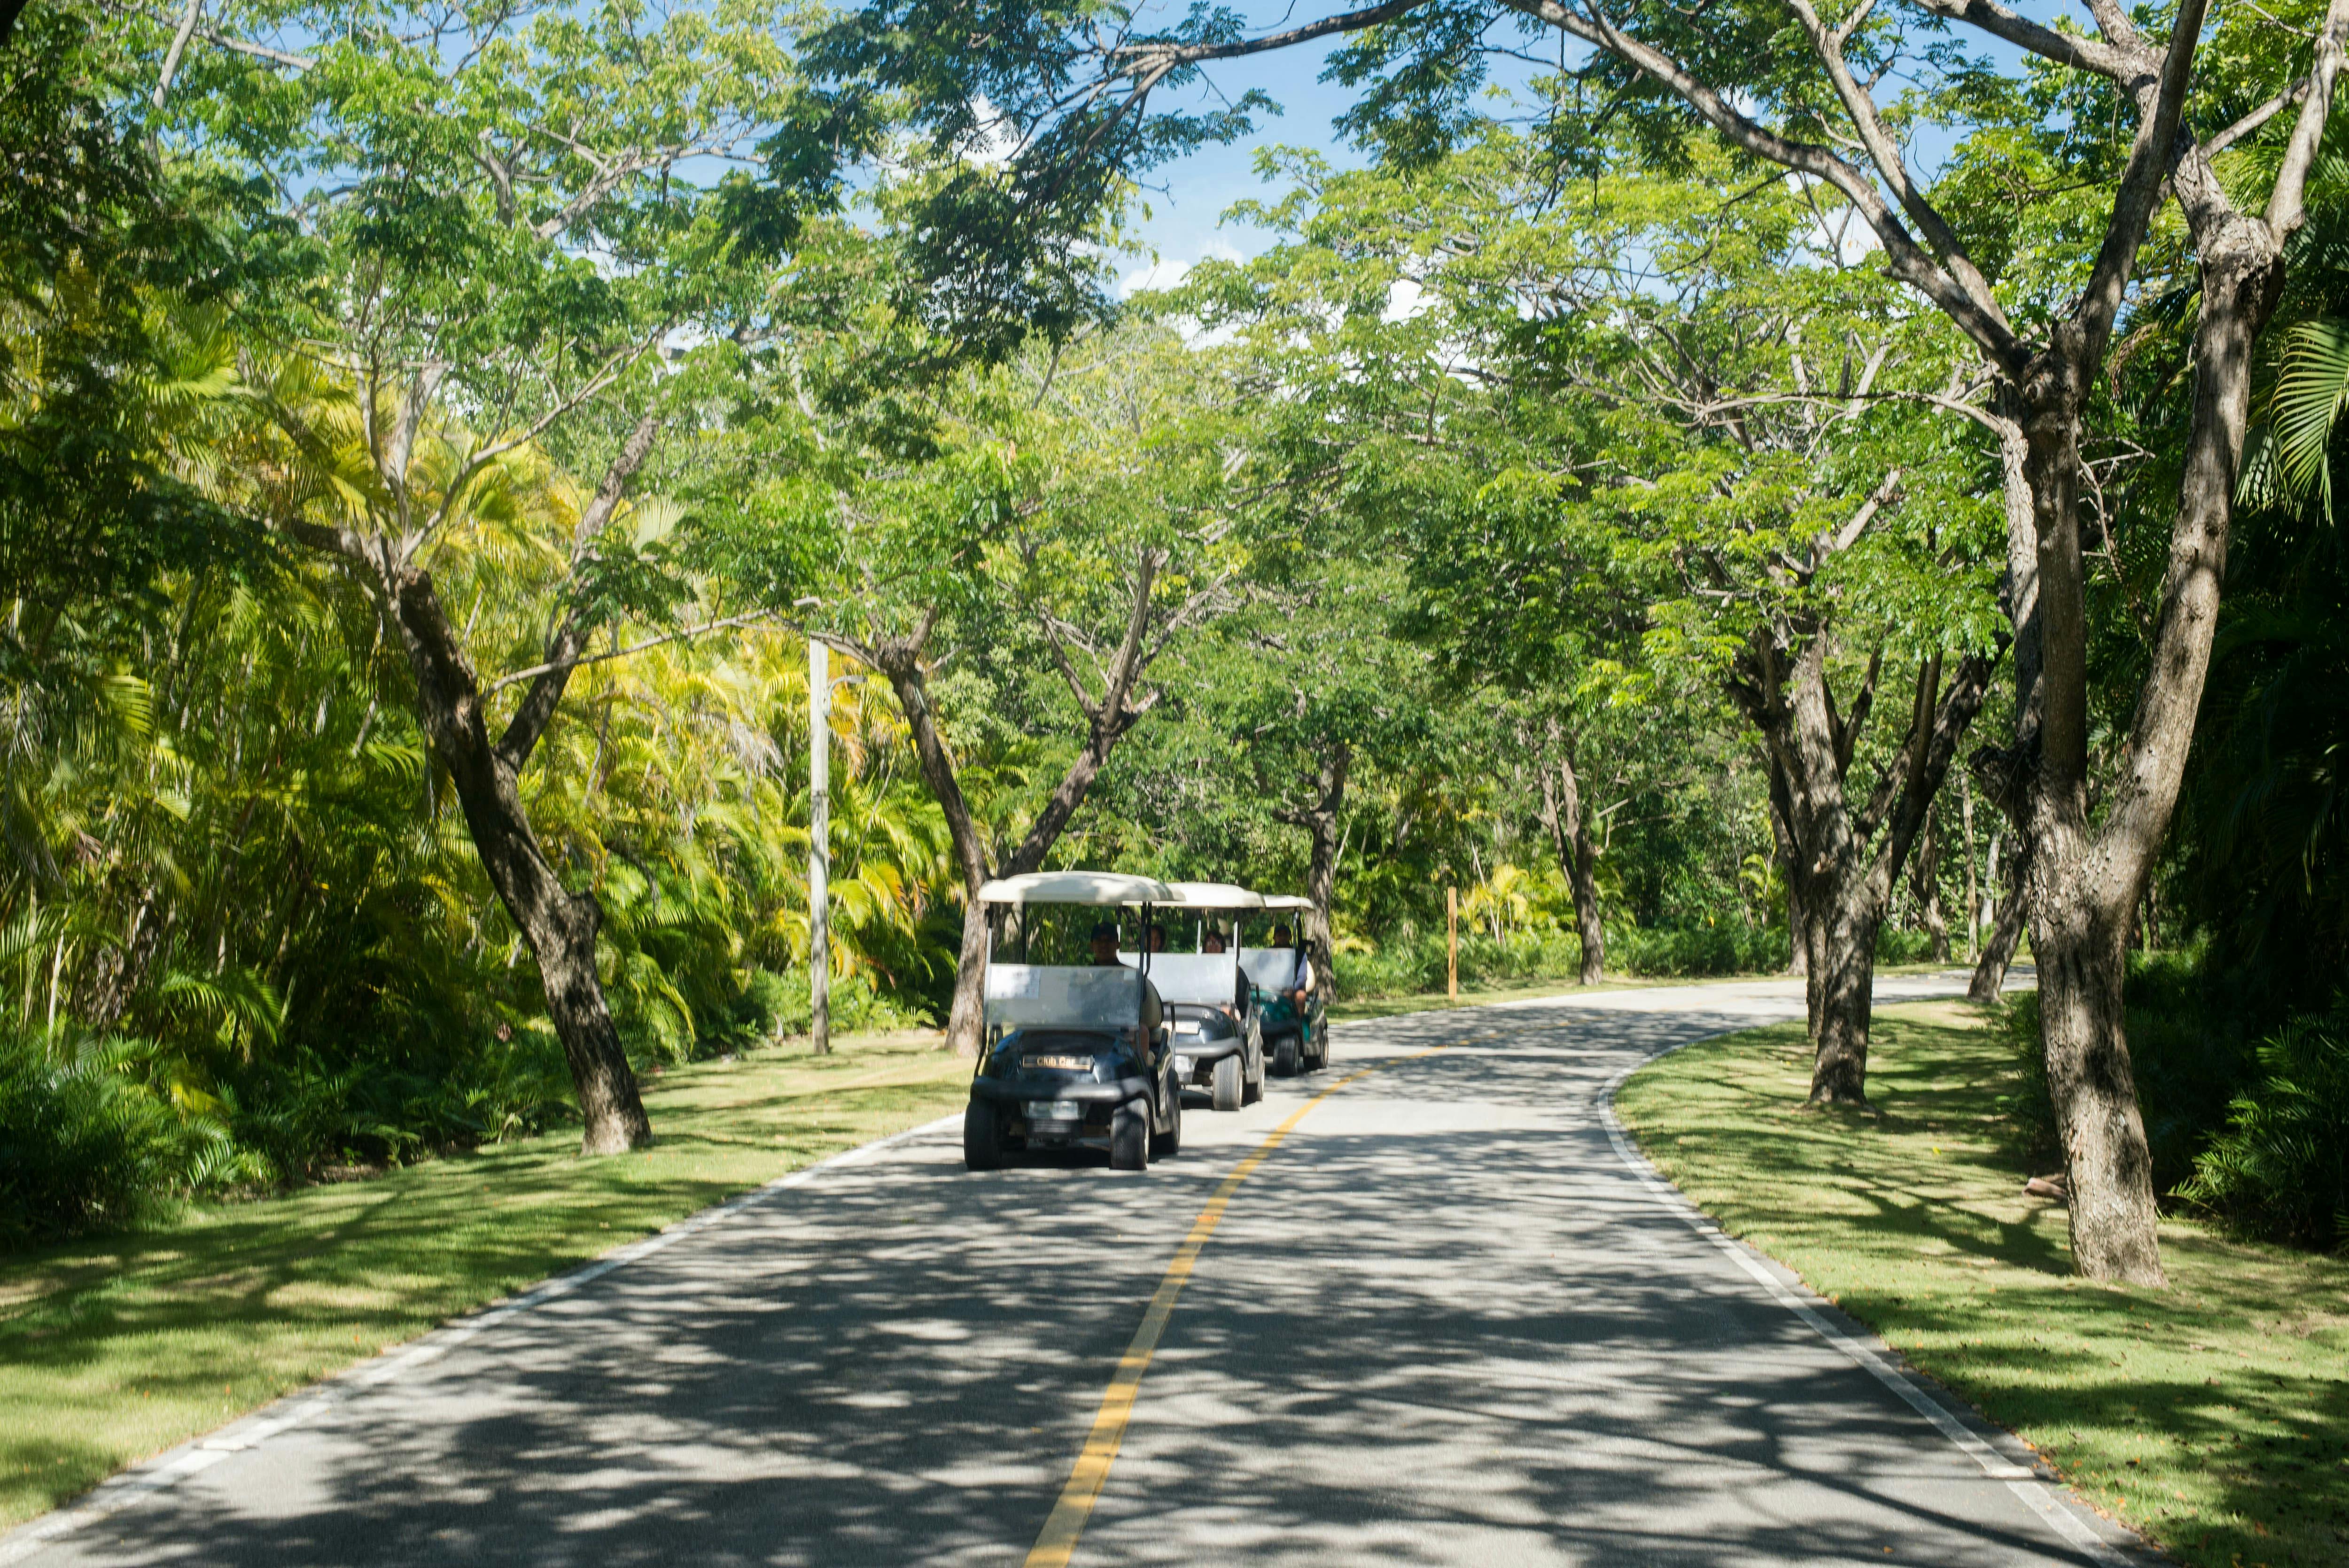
(1301,977)
(1104,941)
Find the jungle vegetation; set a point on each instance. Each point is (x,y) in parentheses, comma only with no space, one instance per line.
(1783,493)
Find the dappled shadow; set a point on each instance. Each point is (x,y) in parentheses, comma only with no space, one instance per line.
(1442,1324)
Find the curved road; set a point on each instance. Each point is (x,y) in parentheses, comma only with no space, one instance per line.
(1448,1320)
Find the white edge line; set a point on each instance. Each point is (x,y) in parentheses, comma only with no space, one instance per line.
(175,1465)
(2021,1479)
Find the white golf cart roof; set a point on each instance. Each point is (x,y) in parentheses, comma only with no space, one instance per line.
(1106,888)
(1286,900)
(1216,895)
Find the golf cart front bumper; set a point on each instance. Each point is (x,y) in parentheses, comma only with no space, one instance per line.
(1018,1090)
(1202,1055)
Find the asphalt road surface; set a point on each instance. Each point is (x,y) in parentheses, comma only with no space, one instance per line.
(1448,1320)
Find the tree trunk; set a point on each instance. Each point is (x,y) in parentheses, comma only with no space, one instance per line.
(1782,844)
(900,662)
(1107,719)
(559,925)
(2005,932)
(1578,856)
(2086,879)
(2083,1031)
(1846,863)
(1321,821)
(1925,882)
(1843,974)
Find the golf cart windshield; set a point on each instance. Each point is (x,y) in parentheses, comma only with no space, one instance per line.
(1021,994)
(1203,977)
(1270,968)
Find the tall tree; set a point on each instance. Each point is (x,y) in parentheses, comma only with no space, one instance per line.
(495,240)
(1053,521)
(1832,121)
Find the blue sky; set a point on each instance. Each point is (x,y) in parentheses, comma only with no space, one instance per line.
(1188,199)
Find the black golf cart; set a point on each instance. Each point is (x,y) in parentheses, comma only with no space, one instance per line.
(1078,1051)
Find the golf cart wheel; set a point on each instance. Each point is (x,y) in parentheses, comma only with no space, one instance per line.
(1284,1056)
(1252,1088)
(1128,1139)
(1167,1144)
(982,1137)
(1227,1092)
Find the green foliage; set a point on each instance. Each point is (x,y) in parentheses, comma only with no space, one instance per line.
(82,1145)
(2192,1044)
(2280,1169)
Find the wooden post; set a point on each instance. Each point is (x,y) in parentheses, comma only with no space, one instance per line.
(819,847)
(1452,956)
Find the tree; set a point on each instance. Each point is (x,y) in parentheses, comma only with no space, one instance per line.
(1831,122)
(1056,519)
(495,243)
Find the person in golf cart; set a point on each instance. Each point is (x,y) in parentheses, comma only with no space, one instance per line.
(1286,995)
(1076,1052)
(1217,1046)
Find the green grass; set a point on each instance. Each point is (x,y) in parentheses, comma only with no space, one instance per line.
(115,1348)
(1565,990)
(2213,1415)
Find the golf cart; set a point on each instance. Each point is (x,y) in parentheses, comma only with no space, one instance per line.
(1218,1043)
(1296,1040)
(1077,1051)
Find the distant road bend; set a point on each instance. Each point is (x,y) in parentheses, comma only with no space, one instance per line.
(1448,1318)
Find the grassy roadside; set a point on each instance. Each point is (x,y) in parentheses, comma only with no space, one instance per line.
(115,1348)
(1564,990)
(2213,1416)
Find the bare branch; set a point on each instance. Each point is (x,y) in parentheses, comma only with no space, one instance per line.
(683,633)
(2286,203)
(238,46)
(1886,155)
(1168,55)
(563,649)
(2256,118)
(179,48)
(2150,157)
(1904,258)
(2063,48)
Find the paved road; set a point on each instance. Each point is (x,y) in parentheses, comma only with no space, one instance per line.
(1446,1321)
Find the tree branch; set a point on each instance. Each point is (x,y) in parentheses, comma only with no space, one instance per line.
(2286,203)
(563,649)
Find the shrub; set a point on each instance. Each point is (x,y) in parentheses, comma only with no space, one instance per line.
(83,1145)
(2280,1168)
(856,1004)
(1698,950)
(2187,1051)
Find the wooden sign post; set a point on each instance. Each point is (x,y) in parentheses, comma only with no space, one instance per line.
(1452,958)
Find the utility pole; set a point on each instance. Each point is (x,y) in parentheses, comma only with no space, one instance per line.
(819,847)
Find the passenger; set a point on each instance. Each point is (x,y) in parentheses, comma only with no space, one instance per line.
(1156,940)
(1213,942)
(1105,945)
(1301,977)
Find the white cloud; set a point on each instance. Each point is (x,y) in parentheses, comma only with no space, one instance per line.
(1165,272)
(1404,300)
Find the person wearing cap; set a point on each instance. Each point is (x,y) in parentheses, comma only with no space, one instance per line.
(1104,939)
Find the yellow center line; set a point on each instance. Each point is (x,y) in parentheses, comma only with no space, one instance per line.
(1075,1507)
